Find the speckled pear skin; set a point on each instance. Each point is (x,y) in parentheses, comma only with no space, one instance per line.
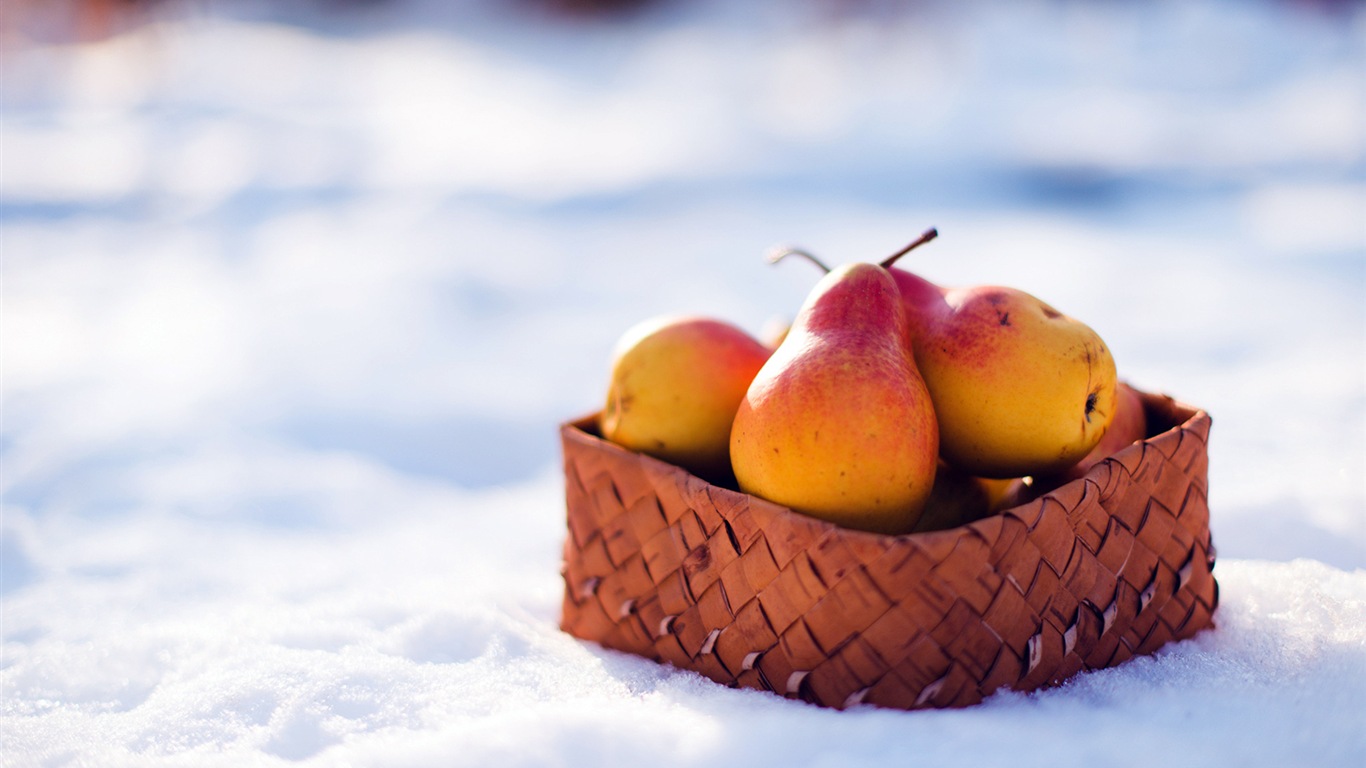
(674,387)
(667,566)
(1019,388)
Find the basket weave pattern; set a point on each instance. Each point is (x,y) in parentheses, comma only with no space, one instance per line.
(664,565)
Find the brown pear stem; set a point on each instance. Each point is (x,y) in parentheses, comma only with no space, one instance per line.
(781,252)
(925,237)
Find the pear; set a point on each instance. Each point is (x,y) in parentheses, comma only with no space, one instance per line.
(1129,426)
(996,488)
(1018,387)
(838,423)
(956,499)
(675,385)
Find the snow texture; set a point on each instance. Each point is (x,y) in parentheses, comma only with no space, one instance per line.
(294,300)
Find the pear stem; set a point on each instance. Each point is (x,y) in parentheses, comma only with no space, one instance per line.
(781,252)
(925,237)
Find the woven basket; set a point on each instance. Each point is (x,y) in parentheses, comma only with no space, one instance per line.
(664,565)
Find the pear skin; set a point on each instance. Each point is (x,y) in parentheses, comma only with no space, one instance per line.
(956,499)
(675,385)
(1019,388)
(838,423)
(996,488)
(1129,426)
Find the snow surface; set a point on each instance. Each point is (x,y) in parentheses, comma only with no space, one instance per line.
(293,303)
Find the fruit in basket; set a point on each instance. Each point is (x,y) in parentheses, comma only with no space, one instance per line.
(674,388)
(1018,387)
(1129,425)
(838,423)
(996,488)
(957,498)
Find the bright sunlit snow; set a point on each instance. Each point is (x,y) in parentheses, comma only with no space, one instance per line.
(295,296)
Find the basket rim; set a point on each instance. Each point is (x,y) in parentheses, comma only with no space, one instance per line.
(1173,416)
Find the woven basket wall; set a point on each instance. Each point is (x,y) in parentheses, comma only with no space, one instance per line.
(662,564)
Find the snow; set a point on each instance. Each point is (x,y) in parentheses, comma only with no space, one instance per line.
(293,303)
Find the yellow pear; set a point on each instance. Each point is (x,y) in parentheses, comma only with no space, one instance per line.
(675,385)
(1018,387)
(956,499)
(838,423)
(1129,425)
(996,488)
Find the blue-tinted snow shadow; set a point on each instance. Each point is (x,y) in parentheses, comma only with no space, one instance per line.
(1284,532)
(17,568)
(469,451)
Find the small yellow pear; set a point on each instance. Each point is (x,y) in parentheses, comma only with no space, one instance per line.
(675,385)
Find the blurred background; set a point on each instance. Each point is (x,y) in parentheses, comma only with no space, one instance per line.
(255,253)
(294,296)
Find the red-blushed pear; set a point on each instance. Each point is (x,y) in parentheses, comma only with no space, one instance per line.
(838,424)
(675,385)
(1019,388)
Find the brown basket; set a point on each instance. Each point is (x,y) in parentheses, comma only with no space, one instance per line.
(662,564)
